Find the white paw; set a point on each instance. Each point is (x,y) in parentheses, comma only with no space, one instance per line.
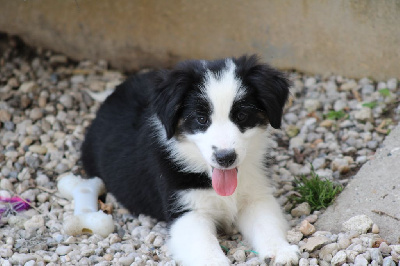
(288,255)
(282,254)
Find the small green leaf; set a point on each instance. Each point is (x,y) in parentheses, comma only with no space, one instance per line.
(385,92)
(371,105)
(335,115)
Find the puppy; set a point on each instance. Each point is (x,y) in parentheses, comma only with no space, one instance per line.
(190,146)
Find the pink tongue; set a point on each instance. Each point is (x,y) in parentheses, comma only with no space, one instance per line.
(224,182)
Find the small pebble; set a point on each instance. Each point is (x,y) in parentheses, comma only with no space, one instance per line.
(36,114)
(63,250)
(306,228)
(339,258)
(360,223)
(239,255)
(302,209)
(375,229)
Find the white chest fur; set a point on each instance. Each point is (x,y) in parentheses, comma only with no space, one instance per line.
(252,187)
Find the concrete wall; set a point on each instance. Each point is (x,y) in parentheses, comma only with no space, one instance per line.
(348,37)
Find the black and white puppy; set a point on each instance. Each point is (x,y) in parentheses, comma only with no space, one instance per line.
(189,146)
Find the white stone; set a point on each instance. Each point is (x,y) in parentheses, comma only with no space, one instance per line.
(384,248)
(150,238)
(38,149)
(158,242)
(21,259)
(303,262)
(66,100)
(376,255)
(337,164)
(344,242)
(296,142)
(392,84)
(388,261)
(36,114)
(361,159)
(381,85)
(42,180)
(63,250)
(294,236)
(24,174)
(349,85)
(367,89)
(328,249)
(30,263)
(6,184)
(239,255)
(34,223)
(126,260)
(77,79)
(314,243)
(313,262)
(311,105)
(364,114)
(339,105)
(324,173)
(6,252)
(395,248)
(339,258)
(360,224)
(27,87)
(318,163)
(302,209)
(291,117)
(375,229)
(311,81)
(312,218)
(360,261)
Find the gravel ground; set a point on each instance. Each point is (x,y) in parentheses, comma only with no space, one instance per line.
(44,110)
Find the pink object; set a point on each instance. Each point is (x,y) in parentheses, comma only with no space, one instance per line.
(12,205)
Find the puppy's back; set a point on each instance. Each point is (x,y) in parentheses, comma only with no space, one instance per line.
(118,118)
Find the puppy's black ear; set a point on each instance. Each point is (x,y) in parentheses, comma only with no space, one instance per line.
(271,86)
(170,91)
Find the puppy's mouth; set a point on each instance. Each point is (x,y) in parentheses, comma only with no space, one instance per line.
(224,181)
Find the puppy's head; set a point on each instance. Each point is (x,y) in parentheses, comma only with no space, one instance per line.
(215,110)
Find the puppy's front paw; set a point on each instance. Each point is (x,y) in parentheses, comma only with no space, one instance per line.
(288,255)
(282,254)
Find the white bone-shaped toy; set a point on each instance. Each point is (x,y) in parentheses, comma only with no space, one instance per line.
(86,218)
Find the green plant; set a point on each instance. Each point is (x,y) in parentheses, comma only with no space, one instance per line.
(371,105)
(335,115)
(385,92)
(317,192)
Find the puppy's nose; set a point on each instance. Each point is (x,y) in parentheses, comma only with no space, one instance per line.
(225,158)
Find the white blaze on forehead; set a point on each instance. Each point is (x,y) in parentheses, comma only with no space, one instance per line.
(223,90)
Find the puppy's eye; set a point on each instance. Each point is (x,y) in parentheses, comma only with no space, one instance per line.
(202,120)
(241,116)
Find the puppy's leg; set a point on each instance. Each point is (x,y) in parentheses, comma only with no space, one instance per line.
(263,225)
(193,241)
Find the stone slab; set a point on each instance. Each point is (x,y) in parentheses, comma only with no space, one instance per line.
(350,38)
(376,187)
